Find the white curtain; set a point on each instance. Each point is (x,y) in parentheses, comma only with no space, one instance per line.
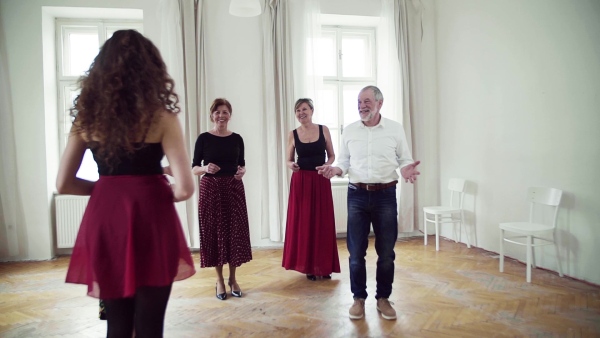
(290,28)
(401,20)
(181,44)
(278,100)
(305,27)
(11,211)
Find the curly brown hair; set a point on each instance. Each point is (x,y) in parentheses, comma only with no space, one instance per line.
(122,95)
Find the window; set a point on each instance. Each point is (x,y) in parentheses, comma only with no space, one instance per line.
(347,63)
(77,44)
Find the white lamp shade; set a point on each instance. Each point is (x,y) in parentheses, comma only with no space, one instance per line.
(245,8)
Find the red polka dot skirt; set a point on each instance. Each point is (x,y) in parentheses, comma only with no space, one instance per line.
(224,230)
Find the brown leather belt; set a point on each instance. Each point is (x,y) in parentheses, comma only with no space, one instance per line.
(374,186)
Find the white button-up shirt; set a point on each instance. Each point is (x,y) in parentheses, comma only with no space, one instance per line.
(372,154)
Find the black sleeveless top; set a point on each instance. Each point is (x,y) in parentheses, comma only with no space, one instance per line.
(310,155)
(144,161)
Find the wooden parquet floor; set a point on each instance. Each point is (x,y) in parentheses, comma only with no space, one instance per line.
(456,292)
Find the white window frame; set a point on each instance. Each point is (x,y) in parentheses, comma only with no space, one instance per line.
(339,81)
(66,83)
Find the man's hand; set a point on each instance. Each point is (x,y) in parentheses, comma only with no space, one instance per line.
(410,172)
(328,171)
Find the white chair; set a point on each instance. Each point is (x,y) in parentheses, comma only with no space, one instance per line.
(530,231)
(447,214)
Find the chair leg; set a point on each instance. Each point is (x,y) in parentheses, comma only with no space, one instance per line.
(425,227)
(560,273)
(456,238)
(529,249)
(437,233)
(501,250)
(533,253)
(462,220)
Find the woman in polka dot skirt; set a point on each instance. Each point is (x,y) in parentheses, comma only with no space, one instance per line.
(224,230)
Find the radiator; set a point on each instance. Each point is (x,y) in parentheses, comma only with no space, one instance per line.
(340,206)
(69,212)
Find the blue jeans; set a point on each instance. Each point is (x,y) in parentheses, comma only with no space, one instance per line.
(380,209)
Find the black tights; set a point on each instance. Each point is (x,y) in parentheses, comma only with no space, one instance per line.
(145,313)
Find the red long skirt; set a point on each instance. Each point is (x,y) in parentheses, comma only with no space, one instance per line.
(310,243)
(130,236)
(224,229)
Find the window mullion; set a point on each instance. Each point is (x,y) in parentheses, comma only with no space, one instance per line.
(101,33)
(340,58)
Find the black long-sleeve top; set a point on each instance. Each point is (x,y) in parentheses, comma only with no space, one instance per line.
(225,151)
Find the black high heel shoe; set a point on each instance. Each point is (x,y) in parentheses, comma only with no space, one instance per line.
(221,296)
(326,277)
(311,277)
(234,293)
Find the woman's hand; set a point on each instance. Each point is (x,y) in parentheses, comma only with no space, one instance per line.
(241,171)
(293,166)
(211,168)
(167,171)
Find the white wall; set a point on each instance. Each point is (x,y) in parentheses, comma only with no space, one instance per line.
(518,99)
(351,7)
(234,71)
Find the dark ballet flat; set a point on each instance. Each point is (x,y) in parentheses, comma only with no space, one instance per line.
(221,296)
(233,292)
(311,277)
(326,277)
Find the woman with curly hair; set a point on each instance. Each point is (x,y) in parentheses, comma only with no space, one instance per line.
(224,230)
(130,247)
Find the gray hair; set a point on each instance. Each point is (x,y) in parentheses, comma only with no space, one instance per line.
(376,92)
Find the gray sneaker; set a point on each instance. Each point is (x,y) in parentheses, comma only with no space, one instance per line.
(386,309)
(357,311)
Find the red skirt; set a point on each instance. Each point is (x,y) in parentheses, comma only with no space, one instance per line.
(310,241)
(224,229)
(130,236)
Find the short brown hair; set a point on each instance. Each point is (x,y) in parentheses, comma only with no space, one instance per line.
(219,102)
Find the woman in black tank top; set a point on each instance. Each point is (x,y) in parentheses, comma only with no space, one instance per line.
(310,241)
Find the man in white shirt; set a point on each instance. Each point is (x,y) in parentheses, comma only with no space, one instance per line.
(371,151)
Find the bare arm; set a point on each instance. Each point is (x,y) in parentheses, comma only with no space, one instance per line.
(328,146)
(179,161)
(198,170)
(66,181)
(327,170)
(291,152)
